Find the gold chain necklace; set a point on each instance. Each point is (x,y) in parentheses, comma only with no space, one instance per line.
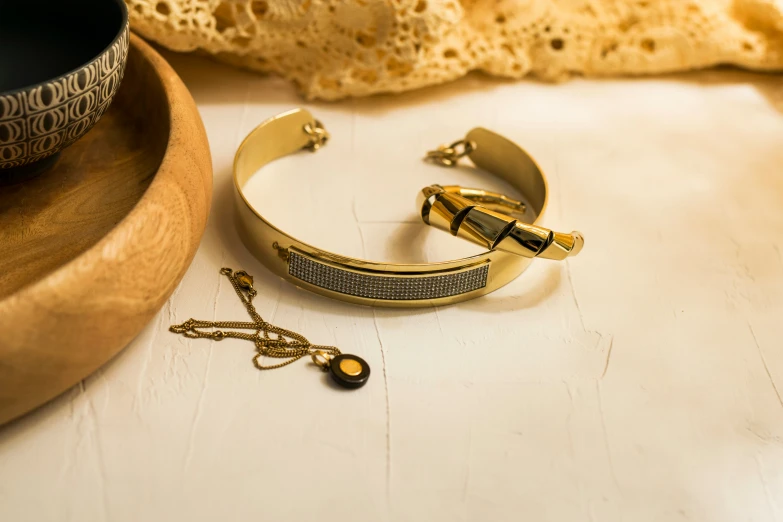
(272,341)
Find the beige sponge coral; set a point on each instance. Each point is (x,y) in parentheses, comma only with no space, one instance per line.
(331,49)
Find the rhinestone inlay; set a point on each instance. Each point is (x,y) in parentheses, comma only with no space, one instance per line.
(391,288)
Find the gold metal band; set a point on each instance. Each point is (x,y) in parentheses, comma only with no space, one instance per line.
(479,216)
(460,212)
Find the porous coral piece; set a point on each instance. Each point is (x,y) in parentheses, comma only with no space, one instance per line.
(332,49)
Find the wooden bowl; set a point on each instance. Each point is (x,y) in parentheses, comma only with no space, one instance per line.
(61,64)
(93,247)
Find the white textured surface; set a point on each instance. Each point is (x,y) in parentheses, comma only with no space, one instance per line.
(640,381)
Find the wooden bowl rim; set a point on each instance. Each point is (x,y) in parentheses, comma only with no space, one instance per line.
(76,317)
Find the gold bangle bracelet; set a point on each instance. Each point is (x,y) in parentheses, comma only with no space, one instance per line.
(483,217)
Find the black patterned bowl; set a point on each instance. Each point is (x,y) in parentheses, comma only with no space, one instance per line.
(61,63)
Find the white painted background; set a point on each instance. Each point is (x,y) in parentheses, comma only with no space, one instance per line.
(641,381)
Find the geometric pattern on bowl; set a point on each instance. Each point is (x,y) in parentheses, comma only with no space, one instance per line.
(43,119)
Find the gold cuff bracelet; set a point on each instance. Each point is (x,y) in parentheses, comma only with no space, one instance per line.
(486,218)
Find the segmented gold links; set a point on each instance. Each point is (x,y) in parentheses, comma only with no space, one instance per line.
(317,133)
(449,155)
(270,340)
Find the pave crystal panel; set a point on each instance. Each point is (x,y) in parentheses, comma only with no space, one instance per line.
(390,288)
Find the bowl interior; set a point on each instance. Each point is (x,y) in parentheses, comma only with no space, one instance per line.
(53,218)
(43,39)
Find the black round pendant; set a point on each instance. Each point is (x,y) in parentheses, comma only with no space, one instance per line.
(349,370)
